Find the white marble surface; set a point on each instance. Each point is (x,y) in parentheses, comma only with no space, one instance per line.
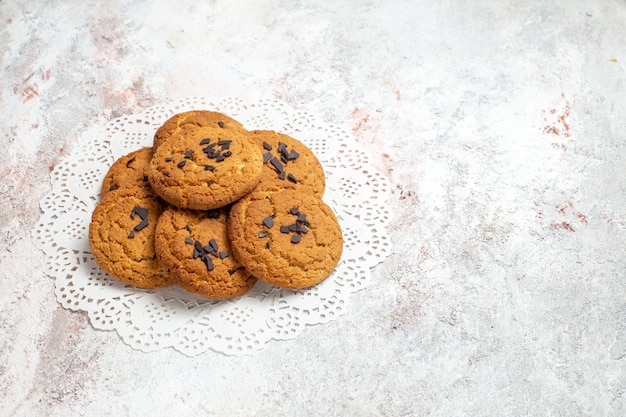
(500,125)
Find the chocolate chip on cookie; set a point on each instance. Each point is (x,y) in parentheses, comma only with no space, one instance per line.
(194,245)
(129,170)
(205,169)
(299,247)
(287,162)
(122,236)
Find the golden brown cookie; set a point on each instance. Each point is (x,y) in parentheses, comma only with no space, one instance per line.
(183,123)
(129,170)
(205,169)
(194,245)
(288,163)
(122,235)
(285,237)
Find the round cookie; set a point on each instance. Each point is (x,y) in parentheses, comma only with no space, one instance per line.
(122,236)
(285,237)
(183,123)
(288,163)
(129,170)
(194,245)
(206,169)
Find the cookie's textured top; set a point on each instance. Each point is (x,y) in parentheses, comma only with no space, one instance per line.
(122,234)
(205,169)
(288,163)
(285,237)
(183,123)
(195,247)
(129,170)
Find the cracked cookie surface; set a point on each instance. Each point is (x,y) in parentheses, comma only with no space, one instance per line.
(122,237)
(129,170)
(285,237)
(183,123)
(288,163)
(206,168)
(194,245)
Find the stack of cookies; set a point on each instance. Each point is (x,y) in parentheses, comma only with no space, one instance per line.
(212,207)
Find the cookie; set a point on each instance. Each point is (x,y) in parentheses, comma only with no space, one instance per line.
(194,245)
(129,170)
(285,237)
(183,123)
(288,163)
(122,236)
(205,169)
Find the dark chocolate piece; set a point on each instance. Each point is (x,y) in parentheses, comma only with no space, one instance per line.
(189,240)
(281,176)
(298,227)
(142,212)
(130,161)
(141,225)
(168,159)
(131,234)
(263,233)
(268,221)
(188,228)
(293,155)
(276,164)
(189,153)
(113,187)
(205,141)
(208,262)
(220,123)
(213,153)
(203,252)
(267,156)
(209,167)
(291,178)
(267,146)
(181,164)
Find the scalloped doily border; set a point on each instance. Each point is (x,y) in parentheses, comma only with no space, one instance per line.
(151,320)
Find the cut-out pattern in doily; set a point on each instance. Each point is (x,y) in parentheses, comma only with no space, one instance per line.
(150,320)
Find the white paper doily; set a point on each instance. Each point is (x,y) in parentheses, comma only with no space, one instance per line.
(151,320)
